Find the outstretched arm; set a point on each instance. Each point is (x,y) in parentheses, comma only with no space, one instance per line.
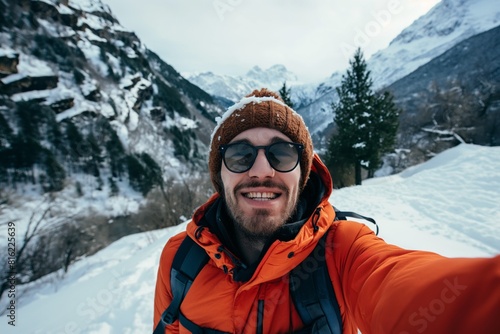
(392,290)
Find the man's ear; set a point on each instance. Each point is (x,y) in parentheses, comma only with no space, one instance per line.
(220,184)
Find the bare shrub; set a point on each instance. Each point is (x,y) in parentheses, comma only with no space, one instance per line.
(445,116)
(47,248)
(173,204)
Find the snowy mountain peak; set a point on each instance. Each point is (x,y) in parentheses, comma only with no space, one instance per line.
(449,17)
(445,25)
(234,88)
(273,76)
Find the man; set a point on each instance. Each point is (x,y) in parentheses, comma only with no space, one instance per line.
(271,211)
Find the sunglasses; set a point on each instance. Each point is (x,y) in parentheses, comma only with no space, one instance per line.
(282,156)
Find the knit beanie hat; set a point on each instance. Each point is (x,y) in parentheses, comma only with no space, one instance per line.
(261,108)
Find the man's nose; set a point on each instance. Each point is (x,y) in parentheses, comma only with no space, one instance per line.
(261,167)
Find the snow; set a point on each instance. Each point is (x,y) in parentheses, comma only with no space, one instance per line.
(31,95)
(180,122)
(30,206)
(77,109)
(89,5)
(448,205)
(60,31)
(31,66)
(6,51)
(49,95)
(121,132)
(93,53)
(88,34)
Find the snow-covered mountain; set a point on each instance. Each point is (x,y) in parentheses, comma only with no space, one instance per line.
(91,123)
(444,26)
(95,83)
(455,96)
(234,88)
(448,205)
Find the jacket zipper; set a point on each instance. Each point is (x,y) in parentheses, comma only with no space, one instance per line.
(260,317)
(315,219)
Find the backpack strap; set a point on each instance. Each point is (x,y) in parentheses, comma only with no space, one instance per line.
(188,262)
(342,215)
(313,295)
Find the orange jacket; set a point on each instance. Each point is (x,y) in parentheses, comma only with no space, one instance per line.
(380,288)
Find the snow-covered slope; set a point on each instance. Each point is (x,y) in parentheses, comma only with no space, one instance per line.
(448,205)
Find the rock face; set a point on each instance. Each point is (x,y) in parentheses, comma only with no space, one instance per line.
(25,83)
(8,64)
(87,97)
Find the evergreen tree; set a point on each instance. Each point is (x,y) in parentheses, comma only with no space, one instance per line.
(95,156)
(286,95)
(53,174)
(113,187)
(366,122)
(6,138)
(383,129)
(75,142)
(116,152)
(144,173)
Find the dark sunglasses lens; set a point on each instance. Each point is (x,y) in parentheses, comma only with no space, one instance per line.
(239,157)
(283,157)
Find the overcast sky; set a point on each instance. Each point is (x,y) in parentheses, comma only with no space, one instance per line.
(311,38)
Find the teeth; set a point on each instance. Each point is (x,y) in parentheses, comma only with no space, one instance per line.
(261,196)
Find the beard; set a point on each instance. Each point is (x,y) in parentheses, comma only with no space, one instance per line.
(260,225)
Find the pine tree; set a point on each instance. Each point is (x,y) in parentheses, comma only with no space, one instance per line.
(366,122)
(286,95)
(113,187)
(383,129)
(6,138)
(144,173)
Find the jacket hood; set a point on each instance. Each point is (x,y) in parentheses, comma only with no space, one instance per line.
(315,216)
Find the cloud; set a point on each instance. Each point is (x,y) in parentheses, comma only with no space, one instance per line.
(312,39)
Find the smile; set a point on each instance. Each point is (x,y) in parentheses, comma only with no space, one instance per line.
(261,196)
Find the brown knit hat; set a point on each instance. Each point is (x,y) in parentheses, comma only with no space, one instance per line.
(261,108)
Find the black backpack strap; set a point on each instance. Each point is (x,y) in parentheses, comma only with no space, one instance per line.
(188,261)
(313,295)
(195,329)
(342,215)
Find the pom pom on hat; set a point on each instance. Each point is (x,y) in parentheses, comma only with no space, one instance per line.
(261,108)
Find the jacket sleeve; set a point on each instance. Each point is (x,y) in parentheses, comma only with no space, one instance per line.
(163,293)
(388,289)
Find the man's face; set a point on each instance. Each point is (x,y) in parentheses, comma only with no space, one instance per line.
(261,199)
